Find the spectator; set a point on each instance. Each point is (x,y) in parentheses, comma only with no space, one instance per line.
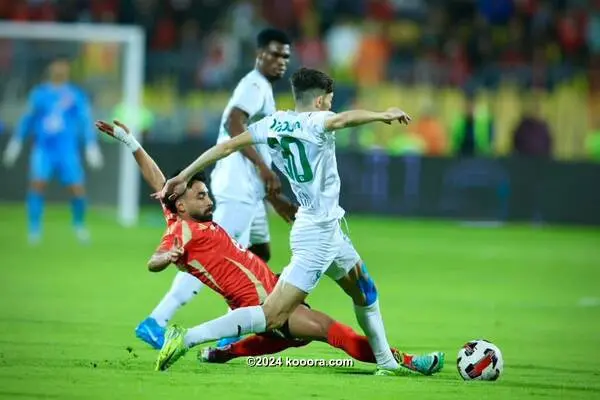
(165,35)
(497,12)
(593,29)
(373,56)
(342,41)
(432,132)
(532,136)
(310,48)
(219,60)
(473,130)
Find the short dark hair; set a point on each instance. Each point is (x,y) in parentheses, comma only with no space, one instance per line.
(269,35)
(309,83)
(170,204)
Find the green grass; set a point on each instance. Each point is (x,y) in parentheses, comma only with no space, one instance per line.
(67,313)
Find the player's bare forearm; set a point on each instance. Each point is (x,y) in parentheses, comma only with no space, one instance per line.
(352,118)
(150,170)
(237,122)
(159,261)
(283,206)
(152,174)
(216,153)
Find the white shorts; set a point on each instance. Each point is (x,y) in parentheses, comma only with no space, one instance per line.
(318,249)
(246,223)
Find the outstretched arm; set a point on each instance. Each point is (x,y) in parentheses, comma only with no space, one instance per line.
(150,170)
(352,118)
(216,153)
(169,251)
(176,186)
(236,124)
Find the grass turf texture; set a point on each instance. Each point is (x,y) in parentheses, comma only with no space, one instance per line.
(68,313)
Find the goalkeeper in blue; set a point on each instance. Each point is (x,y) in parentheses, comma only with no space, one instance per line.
(58,116)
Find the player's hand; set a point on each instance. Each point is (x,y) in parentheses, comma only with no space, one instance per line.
(11,154)
(173,188)
(176,252)
(271,180)
(94,157)
(121,132)
(395,114)
(285,208)
(118,131)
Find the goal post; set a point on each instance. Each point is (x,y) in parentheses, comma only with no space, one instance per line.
(133,39)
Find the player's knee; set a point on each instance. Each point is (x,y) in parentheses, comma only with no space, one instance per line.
(77,190)
(38,186)
(366,286)
(275,316)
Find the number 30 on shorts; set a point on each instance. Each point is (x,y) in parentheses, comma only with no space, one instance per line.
(293,150)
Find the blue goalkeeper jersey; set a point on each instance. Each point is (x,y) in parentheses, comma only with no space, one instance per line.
(58,117)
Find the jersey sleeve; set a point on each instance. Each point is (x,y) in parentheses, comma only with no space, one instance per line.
(260,130)
(25,124)
(167,241)
(249,97)
(317,120)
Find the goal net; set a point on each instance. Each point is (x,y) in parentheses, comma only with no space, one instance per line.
(107,63)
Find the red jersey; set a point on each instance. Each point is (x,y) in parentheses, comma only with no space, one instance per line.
(212,256)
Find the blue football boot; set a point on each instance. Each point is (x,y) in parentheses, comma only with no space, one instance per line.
(151,332)
(228,340)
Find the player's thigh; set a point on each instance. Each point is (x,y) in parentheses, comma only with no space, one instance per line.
(305,323)
(346,258)
(70,169)
(41,165)
(281,302)
(313,250)
(259,227)
(236,218)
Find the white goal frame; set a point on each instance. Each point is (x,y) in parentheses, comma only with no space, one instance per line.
(133,38)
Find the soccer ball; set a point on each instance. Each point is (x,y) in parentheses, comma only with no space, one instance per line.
(479,360)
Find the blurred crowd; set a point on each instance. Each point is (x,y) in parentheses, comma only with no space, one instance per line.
(535,45)
(365,42)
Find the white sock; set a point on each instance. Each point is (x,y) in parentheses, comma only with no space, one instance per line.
(185,286)
(370,320)
(235,323)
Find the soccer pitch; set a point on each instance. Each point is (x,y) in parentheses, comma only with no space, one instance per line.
(68,313)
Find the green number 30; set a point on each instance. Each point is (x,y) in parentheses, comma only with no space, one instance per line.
(305,174)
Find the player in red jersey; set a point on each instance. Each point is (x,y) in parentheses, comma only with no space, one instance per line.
(202,248)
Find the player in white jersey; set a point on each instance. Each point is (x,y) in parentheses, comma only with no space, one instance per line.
(238,182)
(302,144)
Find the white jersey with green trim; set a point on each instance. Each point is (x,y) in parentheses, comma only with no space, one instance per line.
(305,153)
(235,177)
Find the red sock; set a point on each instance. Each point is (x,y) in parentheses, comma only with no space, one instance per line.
(258,345)
(356,346)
